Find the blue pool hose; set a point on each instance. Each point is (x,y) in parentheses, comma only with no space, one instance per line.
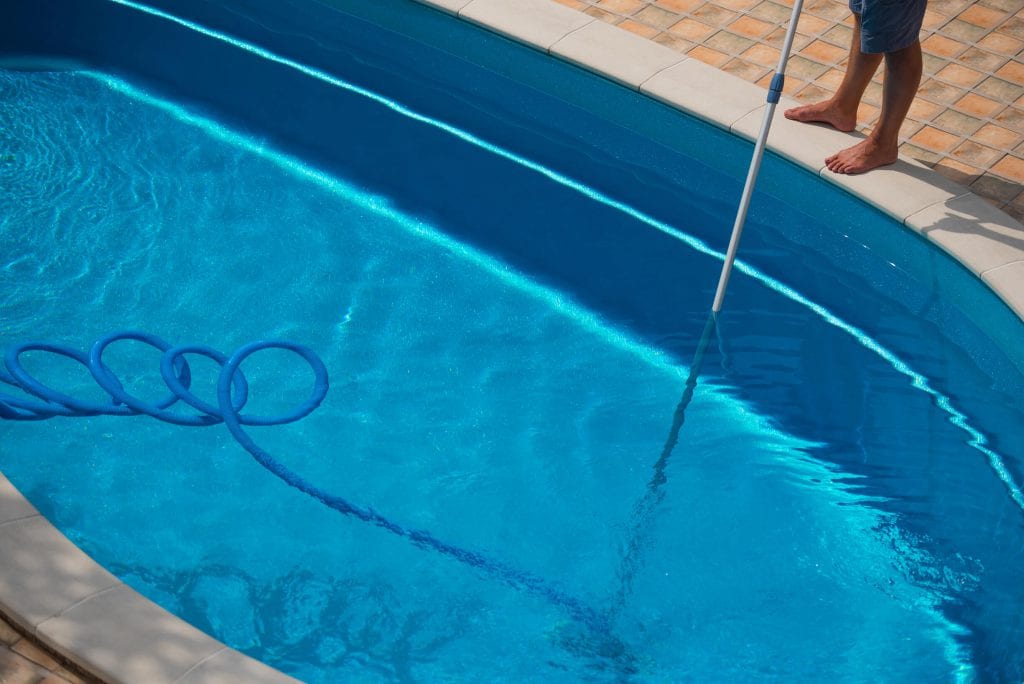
(232,394)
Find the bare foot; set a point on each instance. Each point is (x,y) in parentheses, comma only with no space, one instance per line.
(823,112)
(864,156)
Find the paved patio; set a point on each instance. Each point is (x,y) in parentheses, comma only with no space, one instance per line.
(968,119)
(22,661)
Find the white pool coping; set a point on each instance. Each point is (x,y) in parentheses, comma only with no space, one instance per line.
(54,592)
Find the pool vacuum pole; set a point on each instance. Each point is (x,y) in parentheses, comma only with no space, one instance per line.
(774,91)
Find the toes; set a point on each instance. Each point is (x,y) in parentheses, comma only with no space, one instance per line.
(837,163)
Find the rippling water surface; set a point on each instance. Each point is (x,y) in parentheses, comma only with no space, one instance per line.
(479,404)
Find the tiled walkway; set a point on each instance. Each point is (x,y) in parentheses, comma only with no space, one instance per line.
(23,662)
(968,119)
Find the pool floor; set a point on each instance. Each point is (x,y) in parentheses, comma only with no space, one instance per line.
(466,399)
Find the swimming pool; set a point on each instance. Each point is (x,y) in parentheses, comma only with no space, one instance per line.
(507,307)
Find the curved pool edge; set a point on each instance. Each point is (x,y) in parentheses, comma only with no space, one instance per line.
(947,214)
(58,596)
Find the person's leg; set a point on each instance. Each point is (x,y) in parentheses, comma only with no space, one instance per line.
(840,111)
(902,78)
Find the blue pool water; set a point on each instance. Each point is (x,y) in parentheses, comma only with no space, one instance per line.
(508,310)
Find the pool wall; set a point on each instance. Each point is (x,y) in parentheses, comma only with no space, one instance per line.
(52,590)
(987,241)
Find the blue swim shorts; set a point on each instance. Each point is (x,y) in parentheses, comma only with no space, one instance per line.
(888,25)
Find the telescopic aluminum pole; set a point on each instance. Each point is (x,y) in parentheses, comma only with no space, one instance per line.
(774,91)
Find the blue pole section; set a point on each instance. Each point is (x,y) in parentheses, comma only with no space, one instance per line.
(774,91)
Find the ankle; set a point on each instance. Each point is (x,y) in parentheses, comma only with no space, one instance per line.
(844,106)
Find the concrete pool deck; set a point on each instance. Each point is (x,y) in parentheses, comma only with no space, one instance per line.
(68,620)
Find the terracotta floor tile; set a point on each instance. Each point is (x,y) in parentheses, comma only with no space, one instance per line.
(982,60)
(997,136)
(1015,211)
(924,111)
(920,154)
(743,69)
(655,16)
(762,54)
(932,138)
(691,30)
(625,7)
(772,12)
(996,186)
(957,123)
(909,128)
(932,65)
(940,92)
(1010,6)
(573,4)
(873,94)
(933,20)
(1012,118)
(823,52)
(979,106)
(750,27)
(839,36)
(957,171)
(972,153)
(828,9)
(681,6)
(708,56)
(1001,43)
(949,7)
(31,651)
(639,29)
(1018,201)
(1014,26)
(606,17)
(789,87)
(1012,71)
(867,113)
(712,14)
(964,32)
(982,16)
(942,46)
(778,36)
(729,43)
(670,40)
(998,89)
(803,68)
(812,93)
(831,79)
(18,670)
(958,75)
(811,26)
(737,5)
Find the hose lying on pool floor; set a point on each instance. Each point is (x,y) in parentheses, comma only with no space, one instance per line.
(232,394)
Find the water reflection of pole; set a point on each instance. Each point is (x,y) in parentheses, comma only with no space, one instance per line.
(654,493)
